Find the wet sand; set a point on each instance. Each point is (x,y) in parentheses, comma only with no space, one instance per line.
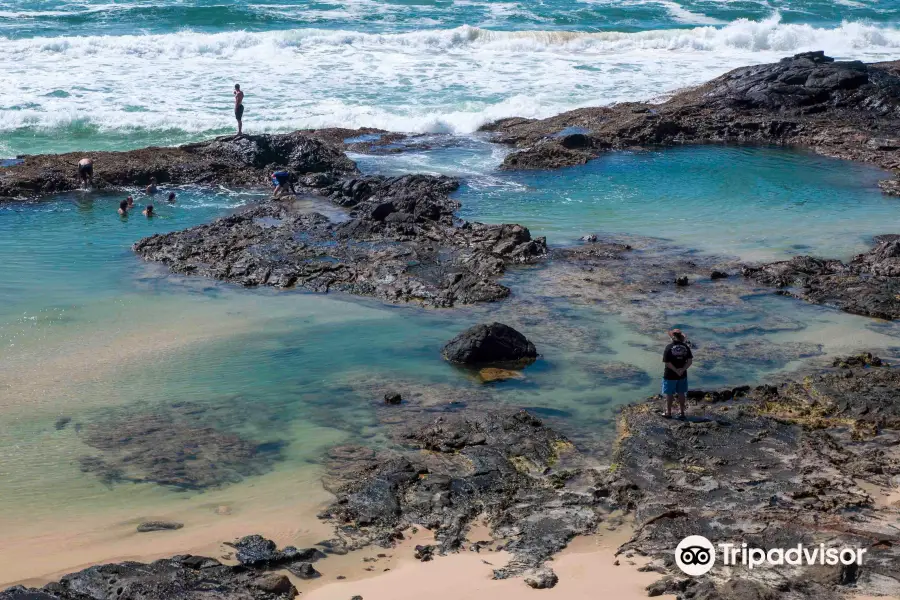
(280,505)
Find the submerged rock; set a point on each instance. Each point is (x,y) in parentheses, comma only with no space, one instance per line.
(493,343)
(490,374)
(392,398)
(868,285)
(168,449)
(147,526)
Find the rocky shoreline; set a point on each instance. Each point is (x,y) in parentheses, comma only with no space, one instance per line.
(868,285)
(771,466)
(848,110)
(401,243)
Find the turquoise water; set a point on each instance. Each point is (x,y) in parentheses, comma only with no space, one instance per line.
(745,202)
(101,17)
(88,331)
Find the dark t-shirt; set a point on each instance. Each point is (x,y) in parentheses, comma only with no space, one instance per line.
(677,354)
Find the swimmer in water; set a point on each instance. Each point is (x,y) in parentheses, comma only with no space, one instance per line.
(239,107)
(152,189)
(171,198)
(129,201)
(149,210)
(123,207)
(86,171)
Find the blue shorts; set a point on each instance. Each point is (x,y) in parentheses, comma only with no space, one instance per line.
(674,386)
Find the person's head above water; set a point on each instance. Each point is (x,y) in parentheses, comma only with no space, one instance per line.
(149,210)
(129,201)
(237,87)
(677,335)
(123,205)
(171,196)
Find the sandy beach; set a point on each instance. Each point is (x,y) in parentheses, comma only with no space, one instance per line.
(586,570)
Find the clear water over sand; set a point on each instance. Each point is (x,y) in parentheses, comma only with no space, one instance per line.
(87,329)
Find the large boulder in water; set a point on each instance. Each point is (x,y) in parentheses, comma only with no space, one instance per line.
(493,343)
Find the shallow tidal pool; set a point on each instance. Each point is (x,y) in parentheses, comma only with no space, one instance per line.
(90,334)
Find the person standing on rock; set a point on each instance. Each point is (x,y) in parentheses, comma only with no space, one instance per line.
(86,171)
(239,107)
(678,359)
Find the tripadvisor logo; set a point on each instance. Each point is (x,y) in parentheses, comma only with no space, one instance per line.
(695,555)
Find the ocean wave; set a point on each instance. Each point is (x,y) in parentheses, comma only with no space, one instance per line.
(850,38)
(437,81)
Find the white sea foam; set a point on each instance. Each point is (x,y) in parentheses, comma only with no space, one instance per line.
(425,81)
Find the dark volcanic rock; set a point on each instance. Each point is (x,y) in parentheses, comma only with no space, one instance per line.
(493,343)
(504,465)
(424,553)
(178,578)
(771,467)
(158,526)
(255,550)
(868,285)
(303,570)
(259,552)
(843,109)
(245,160)
(548,154)
(402,244)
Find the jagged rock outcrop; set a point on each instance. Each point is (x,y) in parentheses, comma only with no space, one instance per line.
(868,285)
(233,160)
(771,466)
(400,244)
(502,464)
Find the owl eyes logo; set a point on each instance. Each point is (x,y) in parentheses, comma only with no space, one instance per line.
(695,555)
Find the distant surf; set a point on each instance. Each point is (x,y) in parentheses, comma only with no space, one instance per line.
(176,86)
